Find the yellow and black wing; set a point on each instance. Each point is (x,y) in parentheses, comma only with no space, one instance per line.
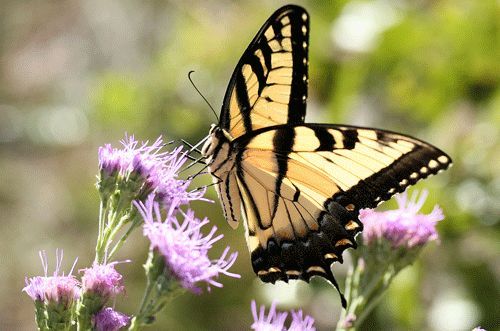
(269,84)
(302,188)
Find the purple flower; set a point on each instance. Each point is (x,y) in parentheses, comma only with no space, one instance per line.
(274,321)
(145,169)
(403,227)
(184,247)
(59,288)
(301,323)
(478,328)
(103,280)
(109,320)
(143,159)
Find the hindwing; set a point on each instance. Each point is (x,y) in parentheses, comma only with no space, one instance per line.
(302,188)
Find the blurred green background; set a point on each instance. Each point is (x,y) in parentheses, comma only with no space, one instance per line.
(77,74)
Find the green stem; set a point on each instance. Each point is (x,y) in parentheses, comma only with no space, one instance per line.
(373,295)
(100,233)
(123,238)
(355,301)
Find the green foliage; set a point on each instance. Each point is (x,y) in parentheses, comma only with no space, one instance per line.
(433,73)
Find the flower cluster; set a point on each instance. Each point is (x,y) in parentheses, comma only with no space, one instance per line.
(58,288)
(103,279)
(392,241)
(137,184)
(139,169)
(54,296)
(403,227)
(184,247)
(100,284)
(275,320)
(109,320)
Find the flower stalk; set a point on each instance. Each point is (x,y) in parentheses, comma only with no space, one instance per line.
(138,186)
(391,241)
(160,289)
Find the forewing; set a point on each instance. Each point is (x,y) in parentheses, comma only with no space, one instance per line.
(269,84)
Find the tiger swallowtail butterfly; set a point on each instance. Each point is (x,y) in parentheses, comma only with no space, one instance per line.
(298,187)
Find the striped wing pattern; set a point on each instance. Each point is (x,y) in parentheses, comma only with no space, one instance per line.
(303,187)
(269,84)
(300,186)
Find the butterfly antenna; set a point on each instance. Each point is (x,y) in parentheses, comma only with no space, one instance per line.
(208,103)
(207,186)
(193,148)
(195,161)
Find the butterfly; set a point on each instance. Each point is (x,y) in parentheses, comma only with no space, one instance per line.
(298,187)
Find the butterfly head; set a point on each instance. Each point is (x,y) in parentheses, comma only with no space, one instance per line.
(216,137)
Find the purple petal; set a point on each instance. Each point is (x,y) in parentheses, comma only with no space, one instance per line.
(184,247)
(109,320)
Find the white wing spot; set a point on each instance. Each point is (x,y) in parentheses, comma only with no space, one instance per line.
(392,190)
(414,175)
(443,159)
(404,182)
(304,29)
(433,164)
(424,170)
(304,44)
(304,17)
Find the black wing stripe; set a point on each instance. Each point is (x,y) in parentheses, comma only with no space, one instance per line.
(326,139)
(258,71)
(228,195)
(282,141)
(298,95)
(266,52)
(243,101)
(282,41)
